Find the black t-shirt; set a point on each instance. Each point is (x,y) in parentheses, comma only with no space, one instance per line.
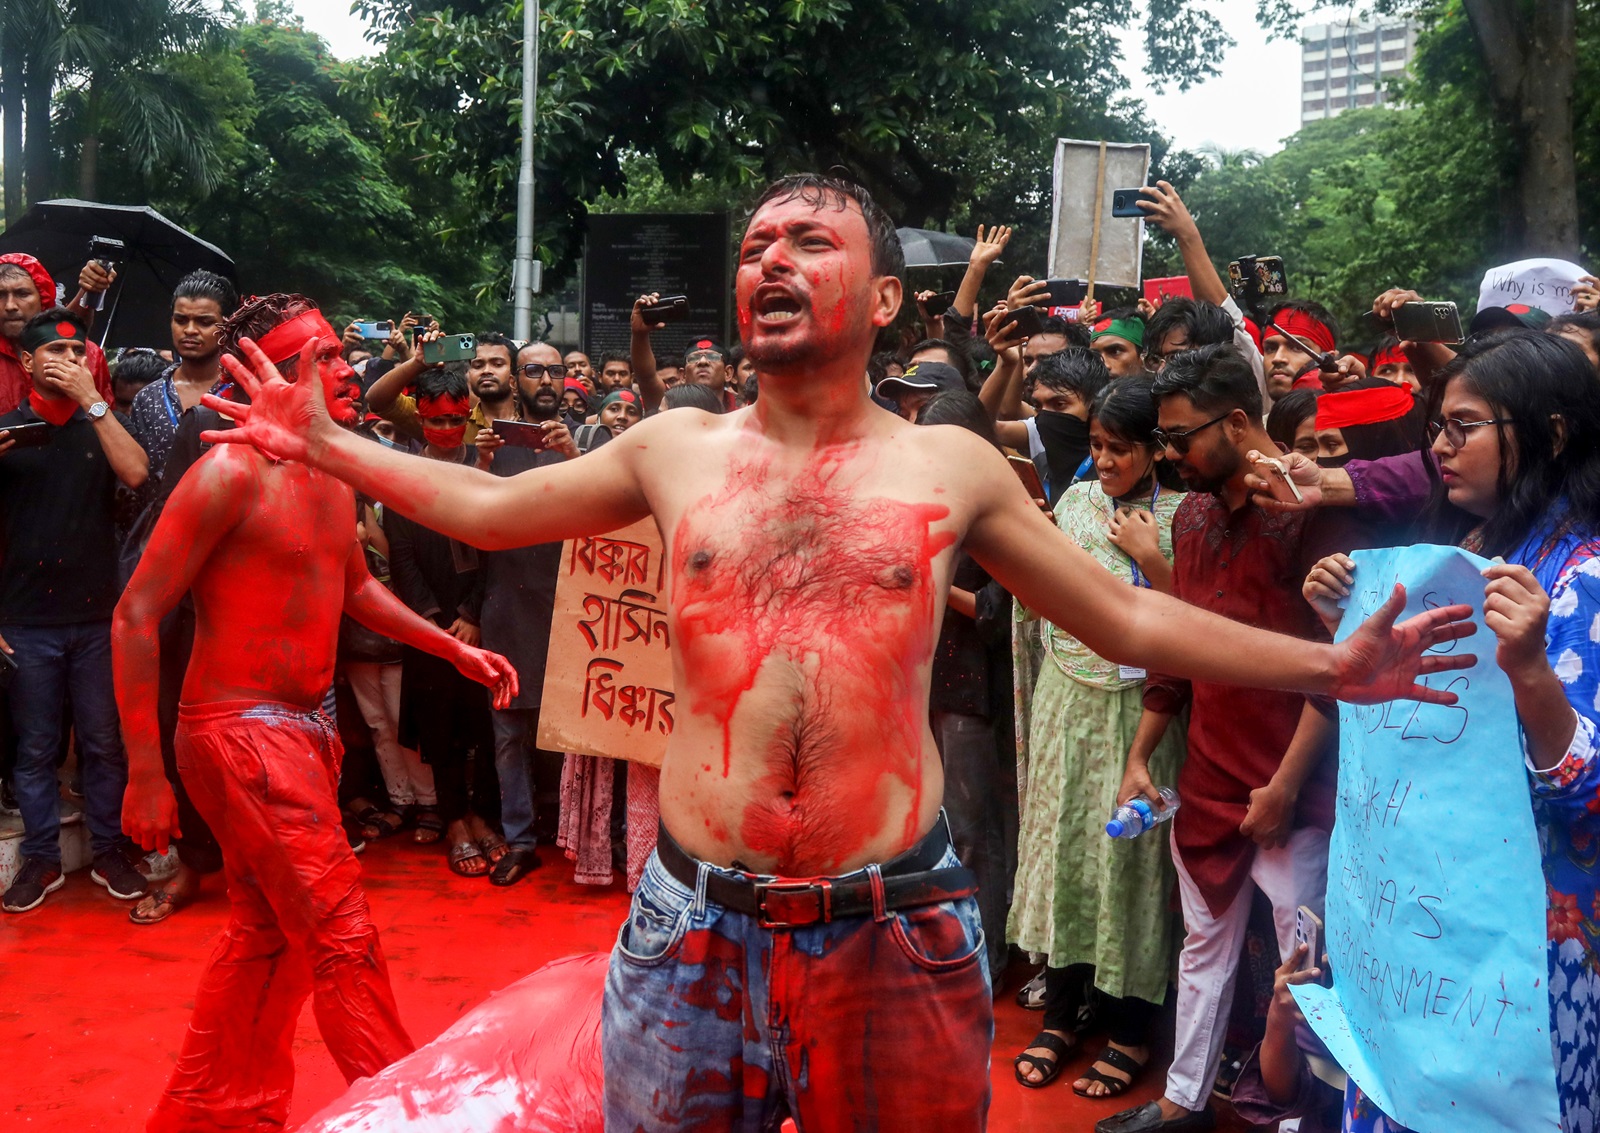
(58,512)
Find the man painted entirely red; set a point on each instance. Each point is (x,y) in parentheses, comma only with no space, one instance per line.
(267,549)
(811,542)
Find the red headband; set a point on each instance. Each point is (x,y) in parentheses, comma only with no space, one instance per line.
(286,340)
(1302,325)
(1390,356)
(1363,406)
(445,405)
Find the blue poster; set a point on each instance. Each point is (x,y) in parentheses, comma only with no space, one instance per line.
(1436,898)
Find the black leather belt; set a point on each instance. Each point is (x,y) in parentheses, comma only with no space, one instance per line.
(909,879)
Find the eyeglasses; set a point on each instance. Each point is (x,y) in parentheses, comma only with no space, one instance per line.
(1455,432)
(1179,442)
(536,371)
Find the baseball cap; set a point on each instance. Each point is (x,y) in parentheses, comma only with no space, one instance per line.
(1512,316)
(922,377)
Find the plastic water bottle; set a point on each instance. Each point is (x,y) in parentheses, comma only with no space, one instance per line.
(1136,816)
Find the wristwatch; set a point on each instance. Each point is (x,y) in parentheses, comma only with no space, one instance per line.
(98,410)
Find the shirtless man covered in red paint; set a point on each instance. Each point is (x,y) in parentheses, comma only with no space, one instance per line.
(268,550)
(805,940)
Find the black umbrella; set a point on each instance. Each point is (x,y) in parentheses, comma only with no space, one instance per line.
(137,309)
(925,248)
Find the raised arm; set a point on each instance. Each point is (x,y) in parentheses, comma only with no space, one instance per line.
(206,505)
(642,356)
(1163,206)
(985,252)
(289,421)
(1131,625)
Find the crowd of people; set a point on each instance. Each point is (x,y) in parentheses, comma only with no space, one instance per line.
(1142,429)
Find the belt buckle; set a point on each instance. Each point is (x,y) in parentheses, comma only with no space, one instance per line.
(793,904)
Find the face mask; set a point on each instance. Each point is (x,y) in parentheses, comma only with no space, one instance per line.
(387,443)
(445,438)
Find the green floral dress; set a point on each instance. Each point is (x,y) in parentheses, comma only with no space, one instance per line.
(1082,897)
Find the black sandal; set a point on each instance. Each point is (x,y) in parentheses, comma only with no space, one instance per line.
(430,827)
(378,823)
(1050,1067)
(1115,1087)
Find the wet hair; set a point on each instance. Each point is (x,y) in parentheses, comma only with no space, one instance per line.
(1074,332)
(1206,323)
(1307,306)
(140,365)
(1288,413)
(1217,378)
(440,381)
(1586,323)
(1126,410)
(959,407)
(959,357)
(202,284)
(1531,378)
(495,338)
(888,257)
(1077,369)
(692,397)
(259,314)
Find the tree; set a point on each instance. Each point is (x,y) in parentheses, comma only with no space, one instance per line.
(942,108)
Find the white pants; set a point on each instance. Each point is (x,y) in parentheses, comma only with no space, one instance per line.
(1291,876)
(377,691)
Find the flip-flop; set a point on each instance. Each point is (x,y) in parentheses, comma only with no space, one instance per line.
(462,853)
(430,827)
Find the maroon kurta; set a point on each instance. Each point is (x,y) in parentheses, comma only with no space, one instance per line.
(1247,565)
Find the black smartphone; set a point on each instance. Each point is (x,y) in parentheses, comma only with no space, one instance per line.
(28,436)
(521,434)
(1029,319)
(1066,292)
(1426,321)
(666,309)
(1125,202)
(939,303)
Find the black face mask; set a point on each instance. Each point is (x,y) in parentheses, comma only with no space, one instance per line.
(1066,446)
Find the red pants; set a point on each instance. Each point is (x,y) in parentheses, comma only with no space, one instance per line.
(266,779)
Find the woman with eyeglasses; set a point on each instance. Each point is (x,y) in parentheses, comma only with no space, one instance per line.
(1098,908)
(1515,428)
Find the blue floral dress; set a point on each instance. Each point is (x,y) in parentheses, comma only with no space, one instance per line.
(1566,813)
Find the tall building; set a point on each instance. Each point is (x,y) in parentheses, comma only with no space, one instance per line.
(1347,64)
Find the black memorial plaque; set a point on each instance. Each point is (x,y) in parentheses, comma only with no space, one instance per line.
(629,254)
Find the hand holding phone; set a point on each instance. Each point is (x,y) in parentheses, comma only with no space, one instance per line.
(522,434)
(667,308)
(450,348)
(1029,475)
(1125,202)
(1276,473)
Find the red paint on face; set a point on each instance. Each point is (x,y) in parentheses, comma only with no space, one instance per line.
(822,601)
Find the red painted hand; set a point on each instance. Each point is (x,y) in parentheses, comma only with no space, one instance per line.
(150,814)
(285,420)
(1382,661)
(490,670)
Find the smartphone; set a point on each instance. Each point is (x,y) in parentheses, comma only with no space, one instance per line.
(1066,292)
(1125,202)
(375,330)
(1276,474)
(1029,475)
(1308,931)
(1257,276)
(521,434)
(1428,322)
(1029,319)
(1158,291)
(31,435)
(940,303)
(668,308)
(451,348)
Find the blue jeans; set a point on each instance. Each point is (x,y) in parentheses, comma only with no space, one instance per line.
(53,663)
(876,1022)
(514,754)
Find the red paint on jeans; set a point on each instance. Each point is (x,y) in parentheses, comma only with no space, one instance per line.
(825,597)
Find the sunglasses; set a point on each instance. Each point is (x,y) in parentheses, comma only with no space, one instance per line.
(1455,432)
(534,370)
(1180,441)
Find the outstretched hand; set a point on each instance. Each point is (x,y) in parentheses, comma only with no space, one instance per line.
(1383,661)
(490,670)
(284,419)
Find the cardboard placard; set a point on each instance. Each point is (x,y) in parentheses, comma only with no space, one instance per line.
(608,683)
(1077,186)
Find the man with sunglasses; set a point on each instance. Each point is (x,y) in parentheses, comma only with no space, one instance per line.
(1257,791)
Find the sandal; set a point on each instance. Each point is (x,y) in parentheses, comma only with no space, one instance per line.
(1115,1059)
(1030,996)
(514,866)
(462,853)
(494,847)
(377,823)
(1051,1068)
(430,827)
(166,903)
